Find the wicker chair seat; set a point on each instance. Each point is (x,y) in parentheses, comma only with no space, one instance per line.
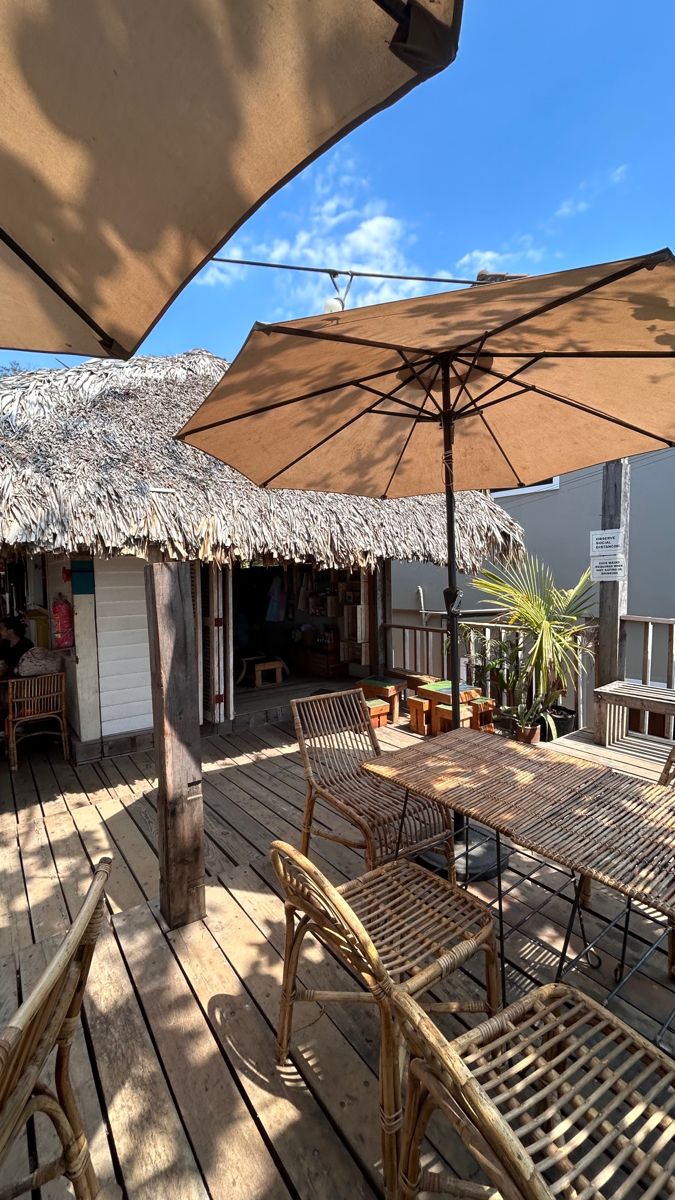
(418,921)
(555,1096)
(375,806)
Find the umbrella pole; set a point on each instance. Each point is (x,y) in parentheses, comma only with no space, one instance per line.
(452,595)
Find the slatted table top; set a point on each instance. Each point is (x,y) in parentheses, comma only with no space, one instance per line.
(617,830)
(490,779)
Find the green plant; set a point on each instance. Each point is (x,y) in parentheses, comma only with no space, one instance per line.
(553,617)
(527,712)
(493,661)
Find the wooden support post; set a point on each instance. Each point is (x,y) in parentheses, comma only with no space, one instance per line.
(613,596)
(173,668)
(378,608)
(228,644)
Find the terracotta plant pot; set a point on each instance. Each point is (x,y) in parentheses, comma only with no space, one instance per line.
(529,734)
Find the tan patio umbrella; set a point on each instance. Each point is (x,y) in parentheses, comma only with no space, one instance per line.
(493,386)
(137,136)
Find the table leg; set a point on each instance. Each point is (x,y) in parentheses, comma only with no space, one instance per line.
(671,949)
(570,925)
(500,918)
(395,708)
(621,965)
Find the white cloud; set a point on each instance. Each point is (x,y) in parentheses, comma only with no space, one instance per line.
(618,174)
(338,224)
(223,274)
(571,208)
(520,255)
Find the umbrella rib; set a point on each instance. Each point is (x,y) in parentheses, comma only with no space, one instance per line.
(322,442)
(344,338)
(404,447)
(647,263)
(265,408)
(594,412)
(510,378)
(496,440)
(108,343)
(418,376)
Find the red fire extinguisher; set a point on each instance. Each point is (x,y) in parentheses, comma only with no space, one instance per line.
(62,623)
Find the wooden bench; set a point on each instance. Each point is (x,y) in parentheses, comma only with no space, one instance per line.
(418,708)
(613,700)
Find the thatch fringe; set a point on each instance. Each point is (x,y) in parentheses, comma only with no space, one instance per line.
(88,464)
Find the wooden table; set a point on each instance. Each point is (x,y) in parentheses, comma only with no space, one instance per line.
(387,689)
(613,701)
(603,826)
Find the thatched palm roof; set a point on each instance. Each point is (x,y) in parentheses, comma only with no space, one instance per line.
(88,464)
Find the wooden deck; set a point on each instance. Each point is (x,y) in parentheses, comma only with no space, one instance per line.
(637,754)
(175,1064)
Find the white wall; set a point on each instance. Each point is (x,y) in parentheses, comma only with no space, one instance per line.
(123,650)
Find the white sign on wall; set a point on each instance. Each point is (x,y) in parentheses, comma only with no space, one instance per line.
(606,541)
(608,568)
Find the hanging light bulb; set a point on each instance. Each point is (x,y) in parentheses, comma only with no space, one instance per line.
(334,304)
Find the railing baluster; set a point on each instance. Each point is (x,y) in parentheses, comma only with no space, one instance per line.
(647,638)
(670,674)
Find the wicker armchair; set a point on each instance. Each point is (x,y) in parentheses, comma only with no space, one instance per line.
(47,1019)
(35,698)
(555,1098)
(399,924)
(335,737)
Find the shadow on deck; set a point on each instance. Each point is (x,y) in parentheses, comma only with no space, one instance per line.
(175,1067)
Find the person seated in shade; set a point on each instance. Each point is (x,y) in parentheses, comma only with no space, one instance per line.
(13,644)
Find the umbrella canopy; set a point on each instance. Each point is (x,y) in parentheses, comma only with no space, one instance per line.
(136,137)
(545,374)
(496,385)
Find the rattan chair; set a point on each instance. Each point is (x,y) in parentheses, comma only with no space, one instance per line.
(555,1098)
(335,737)
(398,924)
(35,698)
(46,1020)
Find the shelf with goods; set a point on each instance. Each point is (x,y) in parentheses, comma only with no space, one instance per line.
(332,615)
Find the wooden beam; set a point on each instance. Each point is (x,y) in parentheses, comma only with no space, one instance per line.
(175,710)
(613,596)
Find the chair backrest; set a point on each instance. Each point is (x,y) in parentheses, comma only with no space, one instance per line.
(49,1014)
(528,1081)
(307,889)
(334,733)
(36,695)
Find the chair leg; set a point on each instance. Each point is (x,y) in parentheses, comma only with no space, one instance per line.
(64,739)
(390,1100)
(492,982)
(294,938)
(86,1179)
(307,819)
(671,950)
(450,856)
(417,1113)
(10,738)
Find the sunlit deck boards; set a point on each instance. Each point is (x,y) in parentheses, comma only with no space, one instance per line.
(176,1066)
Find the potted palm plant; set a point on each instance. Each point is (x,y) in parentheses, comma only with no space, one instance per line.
(552,620)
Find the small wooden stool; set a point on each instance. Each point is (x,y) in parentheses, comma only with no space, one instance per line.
(390,690)
(441,718)
(482,709)
(419,714)
(265,668)
(379,712)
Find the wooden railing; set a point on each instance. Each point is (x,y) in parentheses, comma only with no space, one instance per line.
(422,649)
(652,639)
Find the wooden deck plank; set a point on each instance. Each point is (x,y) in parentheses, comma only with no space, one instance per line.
(15,924)
(310,1149)
(138,855)
(233,1156)
(320,1052)
(122,891)
(47,906)
(150,1141)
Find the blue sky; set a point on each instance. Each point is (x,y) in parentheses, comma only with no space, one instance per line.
(548,144)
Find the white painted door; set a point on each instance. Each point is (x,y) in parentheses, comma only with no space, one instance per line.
(123,649)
